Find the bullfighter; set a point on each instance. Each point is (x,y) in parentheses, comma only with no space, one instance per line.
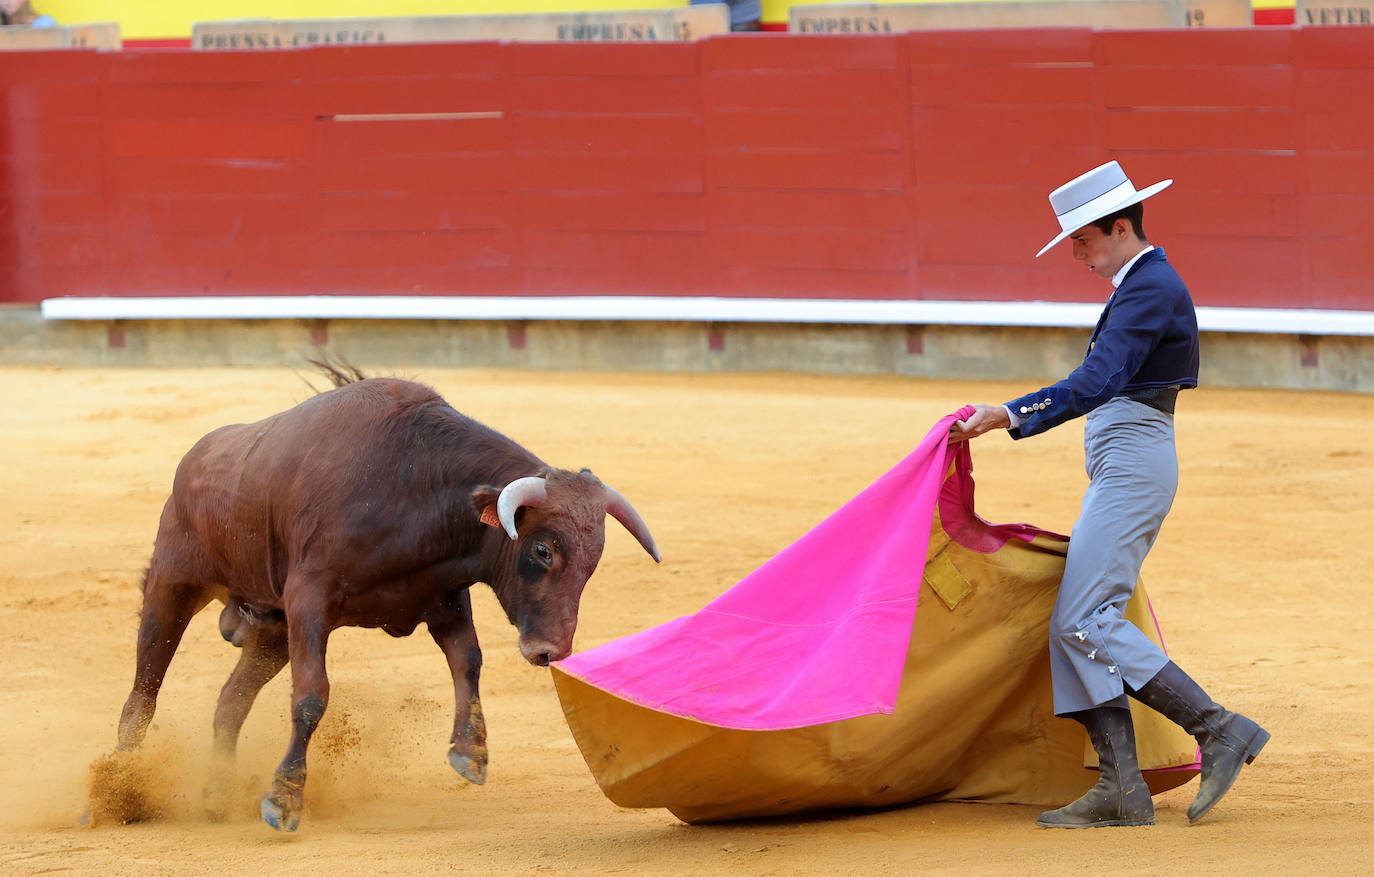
(1143,351)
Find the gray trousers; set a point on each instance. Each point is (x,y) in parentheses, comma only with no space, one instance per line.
(1128,449)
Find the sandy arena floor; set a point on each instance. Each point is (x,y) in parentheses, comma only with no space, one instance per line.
(1262,582)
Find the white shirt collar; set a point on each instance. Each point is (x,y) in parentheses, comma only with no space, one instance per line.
(1121,275)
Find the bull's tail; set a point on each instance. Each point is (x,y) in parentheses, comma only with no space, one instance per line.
(339,370)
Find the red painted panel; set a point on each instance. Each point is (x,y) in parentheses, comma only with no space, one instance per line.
(254,101)
(1239,271)
(953,85)
(1205,46)
(613,279)
(644,264)
(1339,173)
(638,255)
(1183,211)
(582,211)
(1348,217)
(604,59)
(414,211)
(419,173)
(1226,171)
(248,276)
(64,65)
(52,173)
(848,130)
(33,283)
(1350,90)
(1199,86)
(605,94)
(207,176)
(957,224)
(1025,125)
(804,208)
(49,137)
(582,134)
(52,246)
(415,280)
(761,52)
(789,169)
(1001,162)
(998,47)
(378,249)
(200,67)
(47,100)
(787,282)
(208,138)
(1273,17)
(655,172)
(966,243)
(409,60)
(875,90)
(1221,129)
(1335,47)
(40,208)
(1337,259)
(131,246)
(1352,293)
(947,282)
(1349,130)
(212,214)
(376,138)
(420,94)
(825,249)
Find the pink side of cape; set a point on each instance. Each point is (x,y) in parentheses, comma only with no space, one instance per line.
(817,634)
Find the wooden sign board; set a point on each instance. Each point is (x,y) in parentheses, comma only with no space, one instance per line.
(102,35)
(1334,13)
(860,18)
(674,24)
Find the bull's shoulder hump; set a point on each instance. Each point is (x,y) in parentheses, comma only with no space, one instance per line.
(389,391)
(227,434)
(400,388)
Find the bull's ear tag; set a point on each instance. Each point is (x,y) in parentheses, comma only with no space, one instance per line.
(490,517)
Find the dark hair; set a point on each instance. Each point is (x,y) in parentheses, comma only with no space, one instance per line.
(1134,214)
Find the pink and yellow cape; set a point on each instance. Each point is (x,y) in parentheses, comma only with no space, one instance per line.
(895,653)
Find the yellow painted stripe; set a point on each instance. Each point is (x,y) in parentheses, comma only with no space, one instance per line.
(153,19)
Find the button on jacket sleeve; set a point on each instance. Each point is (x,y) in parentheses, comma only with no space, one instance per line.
(1145,338)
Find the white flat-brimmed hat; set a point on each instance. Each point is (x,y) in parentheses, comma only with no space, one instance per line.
(1100,192)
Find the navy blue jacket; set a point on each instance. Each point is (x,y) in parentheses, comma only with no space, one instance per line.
(1146,338)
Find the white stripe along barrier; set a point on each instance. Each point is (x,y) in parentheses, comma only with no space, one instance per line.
(1288,321)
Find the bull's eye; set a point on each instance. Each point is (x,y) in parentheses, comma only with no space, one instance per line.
(544,553)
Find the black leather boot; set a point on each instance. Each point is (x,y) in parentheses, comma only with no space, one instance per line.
(1228,740)
(1120,796)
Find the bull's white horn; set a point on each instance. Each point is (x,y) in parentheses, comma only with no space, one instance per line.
(618,507)
(531,491)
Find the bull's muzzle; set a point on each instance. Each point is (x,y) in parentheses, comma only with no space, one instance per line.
(540,652)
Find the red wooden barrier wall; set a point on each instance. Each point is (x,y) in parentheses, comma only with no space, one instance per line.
(884,167)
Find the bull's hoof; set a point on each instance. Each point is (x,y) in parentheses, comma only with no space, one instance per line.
(278,815)
(474,770)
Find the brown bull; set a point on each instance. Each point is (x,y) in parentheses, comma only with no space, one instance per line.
(374,505)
